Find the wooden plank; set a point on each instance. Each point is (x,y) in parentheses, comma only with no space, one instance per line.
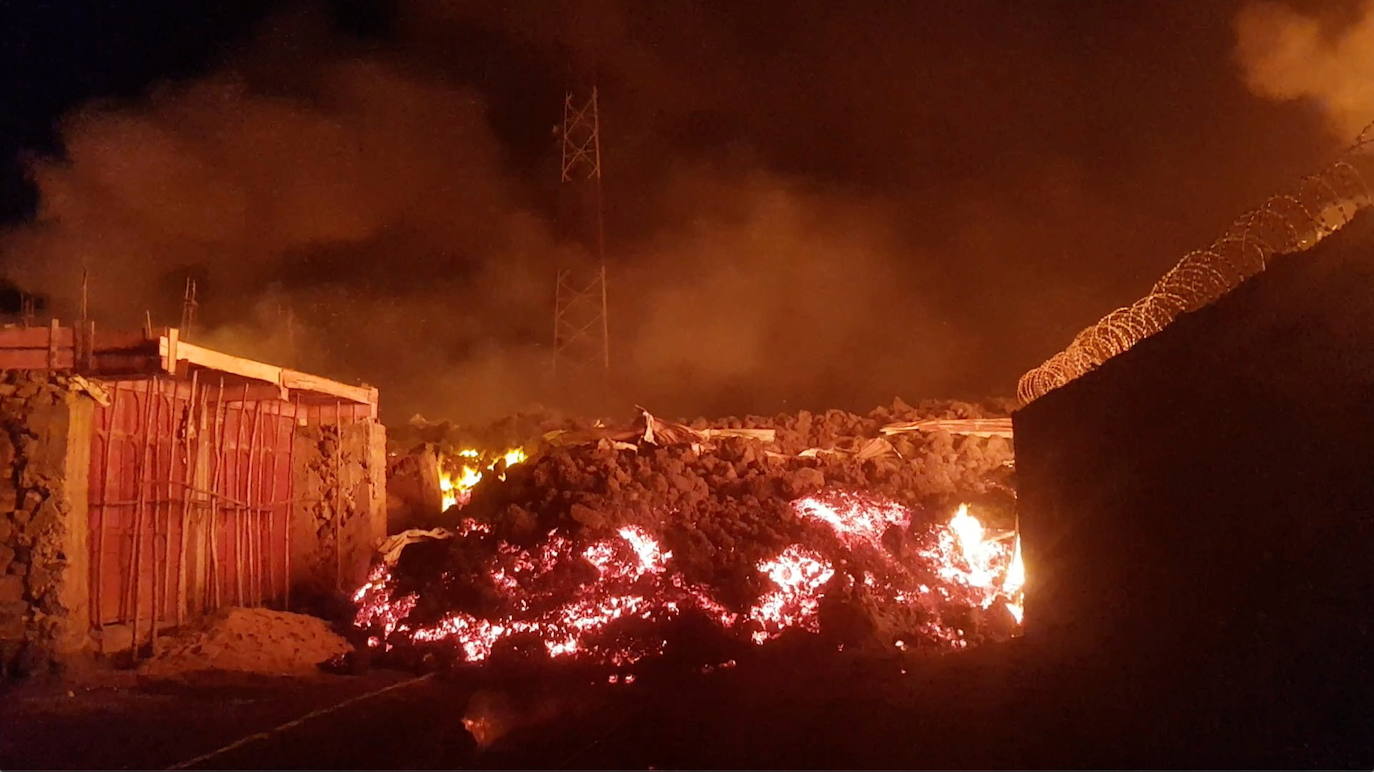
(227,363)
(258,392)
(37,359)
(977,427)
(53,346)
(167,347)
(298,381)
(35,337)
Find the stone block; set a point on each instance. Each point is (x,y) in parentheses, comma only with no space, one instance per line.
(32,500)
(6,451)
(11,588)
(45,519)
(41,579)
(13,620)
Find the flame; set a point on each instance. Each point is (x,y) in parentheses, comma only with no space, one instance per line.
(1013,586)
(955,565)
(979,554)
(455,486)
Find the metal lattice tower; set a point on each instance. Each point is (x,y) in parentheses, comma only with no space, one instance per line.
(189,306)
(26,309)
(580,329)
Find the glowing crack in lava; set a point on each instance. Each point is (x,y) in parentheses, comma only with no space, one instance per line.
(599,599)
(798,575)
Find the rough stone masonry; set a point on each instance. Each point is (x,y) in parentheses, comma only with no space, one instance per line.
(44,457)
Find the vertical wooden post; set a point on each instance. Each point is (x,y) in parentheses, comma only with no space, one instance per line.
(216,567)
(53,329)
(338,498)
(290,498)
(250,512)
(272,450)
(160,513)
(188,486)
(235,483)
(139,500)
(101,513)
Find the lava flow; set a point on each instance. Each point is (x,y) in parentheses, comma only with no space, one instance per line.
(601,599)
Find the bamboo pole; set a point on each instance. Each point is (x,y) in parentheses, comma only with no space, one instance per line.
(291,496)
(175,443)
(250,515)
(235,482)
(338,498)
(165,405)
(136,556)
(213,530)
(192,425)
(273,451)
(98,594)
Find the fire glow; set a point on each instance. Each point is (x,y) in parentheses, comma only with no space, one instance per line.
(622,585)
(458,478)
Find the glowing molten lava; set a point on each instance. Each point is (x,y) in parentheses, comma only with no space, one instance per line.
(458,478)
(795,600)
(600,599)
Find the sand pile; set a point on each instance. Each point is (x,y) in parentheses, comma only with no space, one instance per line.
(250,640)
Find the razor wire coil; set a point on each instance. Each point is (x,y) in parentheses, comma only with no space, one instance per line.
(1293,221)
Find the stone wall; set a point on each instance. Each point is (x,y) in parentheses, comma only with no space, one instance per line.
(341,499)
(44,460)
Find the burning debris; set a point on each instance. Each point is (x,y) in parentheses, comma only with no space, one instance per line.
(460,472)
(607,541)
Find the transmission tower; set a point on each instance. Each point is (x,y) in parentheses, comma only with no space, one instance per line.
(189,306)
(582,355)
(26,309)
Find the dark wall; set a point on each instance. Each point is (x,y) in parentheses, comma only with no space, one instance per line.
(1198,517)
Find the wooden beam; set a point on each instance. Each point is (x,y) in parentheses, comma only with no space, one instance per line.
(256,392)
(120,353)
(298,381)
(37,359)
(226,363)
(35,337)
(167,347)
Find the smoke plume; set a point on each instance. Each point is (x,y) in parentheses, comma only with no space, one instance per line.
(822,208)
(1290,55)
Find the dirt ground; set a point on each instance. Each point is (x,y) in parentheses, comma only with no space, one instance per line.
(1005,706)
(120,720)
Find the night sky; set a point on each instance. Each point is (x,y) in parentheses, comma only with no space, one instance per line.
(808,204)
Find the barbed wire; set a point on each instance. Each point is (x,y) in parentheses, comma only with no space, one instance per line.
(1317,206)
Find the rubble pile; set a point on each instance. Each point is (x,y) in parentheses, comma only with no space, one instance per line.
(756,523)
(738,488)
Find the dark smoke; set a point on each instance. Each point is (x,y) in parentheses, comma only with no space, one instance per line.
(822,206)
